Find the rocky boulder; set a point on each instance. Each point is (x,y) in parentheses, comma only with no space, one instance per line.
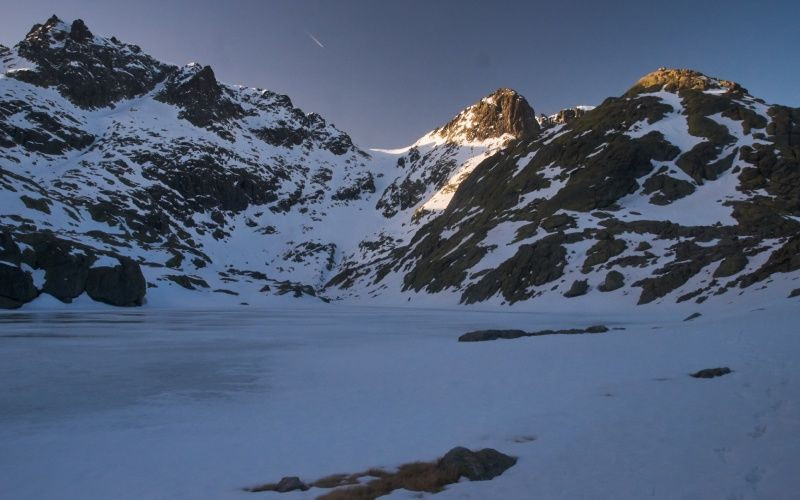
(121,285)
(290,483)
(733,264)
(613,281)
(712,372)
(578,288)
(602,251)
(16,287)
(66,280)
(484,335)
(476,465)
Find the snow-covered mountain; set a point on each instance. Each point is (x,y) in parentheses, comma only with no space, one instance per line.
(133,181)
(107,153)
(684,188)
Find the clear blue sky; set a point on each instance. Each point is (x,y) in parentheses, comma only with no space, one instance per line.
(391,71)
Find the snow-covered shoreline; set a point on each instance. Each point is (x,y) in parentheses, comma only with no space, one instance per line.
(145,403)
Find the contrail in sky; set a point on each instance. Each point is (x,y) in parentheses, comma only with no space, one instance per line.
(315,39)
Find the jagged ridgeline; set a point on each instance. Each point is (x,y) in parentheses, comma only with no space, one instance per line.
(131,180)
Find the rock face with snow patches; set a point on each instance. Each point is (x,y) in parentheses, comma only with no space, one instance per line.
(131,180)
(685,188)
(106,153)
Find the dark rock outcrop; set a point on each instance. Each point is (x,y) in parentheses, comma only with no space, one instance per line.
(121,285)
(711,372)
(666,189)
(476,465)
(563,117)
(204,102)
(731,265)
(67,272)
(692,316)
(187,282)
(9,250)
(484,335)
(614,280)
(533,265)
(90,71)
(16,287)
(603,250)
(66,279)
(66,265)
(290,483)
(578,288)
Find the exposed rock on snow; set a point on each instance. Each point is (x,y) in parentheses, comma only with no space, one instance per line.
(479,465)
(484,335)
(563,117)
(692,316)
(613,281)
(578,288)
(431,477)
(712,372)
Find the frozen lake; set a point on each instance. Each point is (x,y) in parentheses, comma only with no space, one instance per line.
(198,404)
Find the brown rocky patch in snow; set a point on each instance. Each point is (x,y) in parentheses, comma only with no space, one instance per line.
(429,477)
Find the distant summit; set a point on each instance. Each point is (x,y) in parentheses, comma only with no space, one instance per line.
(504,112)
(90,71)
(673,80)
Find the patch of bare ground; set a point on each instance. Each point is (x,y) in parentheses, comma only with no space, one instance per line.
(430,477)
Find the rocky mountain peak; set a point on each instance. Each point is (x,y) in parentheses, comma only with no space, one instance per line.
(91,71)
(79,32)
(503,112)
(204,101)
(198,80)
(52,29)
(673,80)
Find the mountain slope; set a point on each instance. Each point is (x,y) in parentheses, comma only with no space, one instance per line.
(107,153)
(428,173)
(684,188)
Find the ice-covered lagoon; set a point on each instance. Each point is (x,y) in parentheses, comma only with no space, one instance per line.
(140,404)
